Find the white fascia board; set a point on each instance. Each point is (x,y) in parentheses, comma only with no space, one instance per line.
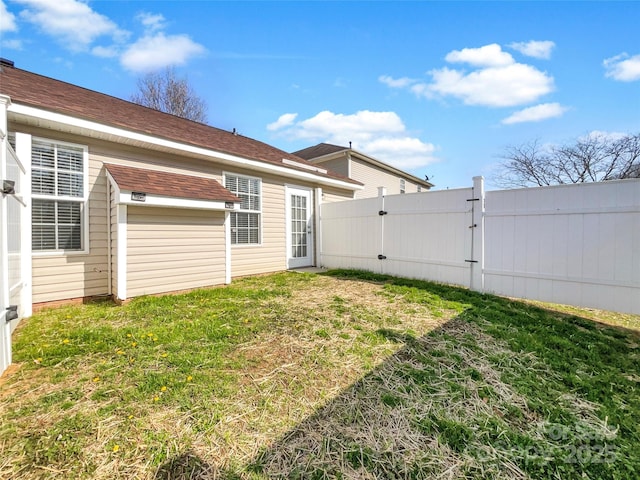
(161,142)
(152,200)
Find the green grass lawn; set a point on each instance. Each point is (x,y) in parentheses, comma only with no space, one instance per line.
(342,375)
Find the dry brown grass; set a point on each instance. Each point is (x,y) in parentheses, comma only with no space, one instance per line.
(349,381)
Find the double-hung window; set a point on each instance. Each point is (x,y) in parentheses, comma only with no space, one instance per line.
(245,223)
(59,196)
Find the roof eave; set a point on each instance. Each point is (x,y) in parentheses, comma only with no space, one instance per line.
(72,124)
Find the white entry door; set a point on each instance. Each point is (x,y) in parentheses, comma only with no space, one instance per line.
(299,227)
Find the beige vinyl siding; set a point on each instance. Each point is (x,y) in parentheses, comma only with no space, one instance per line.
(171,249)
(113,225)
(338,165)
(64,276)
(270,255)
(330,195)
(59,277)
(374,177)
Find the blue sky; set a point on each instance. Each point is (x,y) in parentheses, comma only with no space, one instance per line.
(436,88)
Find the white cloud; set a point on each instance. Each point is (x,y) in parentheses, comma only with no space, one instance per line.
(7,19)
(152,22)
(537,113)
(381,135)
(12,44)
(623,67)
(605,136)
(71,22)
(407,153)
(495,80)
(487,56)
(339,83)
(535,49)
(284,120)
(395,82)
(505,86)
(105,52)
(152,52)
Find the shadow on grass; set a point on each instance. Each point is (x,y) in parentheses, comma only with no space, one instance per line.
(505,389)
(186,466)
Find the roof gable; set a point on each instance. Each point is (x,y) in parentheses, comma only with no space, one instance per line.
(319,150)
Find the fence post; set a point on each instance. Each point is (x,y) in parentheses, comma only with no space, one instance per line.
(477,235)
(382,191)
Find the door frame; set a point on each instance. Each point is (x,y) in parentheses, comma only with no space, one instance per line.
(309,259)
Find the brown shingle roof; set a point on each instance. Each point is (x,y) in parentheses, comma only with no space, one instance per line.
(318,151)
(169,184)
(53,95)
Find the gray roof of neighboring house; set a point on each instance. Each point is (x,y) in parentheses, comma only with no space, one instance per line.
(319,150)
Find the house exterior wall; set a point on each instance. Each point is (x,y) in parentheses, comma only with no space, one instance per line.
(270,255)
(113,247)
(338,165)
(374,177)
(58,277)
(330,195)
(170,249)
(64,276)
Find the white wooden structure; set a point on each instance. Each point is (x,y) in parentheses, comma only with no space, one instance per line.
(570,244)
(14,261)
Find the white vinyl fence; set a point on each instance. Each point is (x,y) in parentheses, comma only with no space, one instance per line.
(570,244)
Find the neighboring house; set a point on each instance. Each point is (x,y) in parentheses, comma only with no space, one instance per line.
(127,201)
(362,168)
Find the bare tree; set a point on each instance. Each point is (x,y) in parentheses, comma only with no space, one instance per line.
(166,92)
(593,158)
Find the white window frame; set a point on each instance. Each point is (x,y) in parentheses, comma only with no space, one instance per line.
(241,210)
(403,185)
(83,201)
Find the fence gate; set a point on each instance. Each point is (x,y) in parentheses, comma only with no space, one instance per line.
(12,209)
(429,235)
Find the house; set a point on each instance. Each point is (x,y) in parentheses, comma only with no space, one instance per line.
(120,200)
(371,172)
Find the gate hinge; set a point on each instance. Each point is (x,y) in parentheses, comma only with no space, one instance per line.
(382,257)
(473,226)
(12,313)
(382,212)
(471,261)
(8,187)
(473,199)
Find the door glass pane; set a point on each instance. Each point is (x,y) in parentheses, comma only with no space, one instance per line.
(298,226)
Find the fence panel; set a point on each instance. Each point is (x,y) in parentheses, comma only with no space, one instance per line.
(351,234)
(422,235)
(572,244)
